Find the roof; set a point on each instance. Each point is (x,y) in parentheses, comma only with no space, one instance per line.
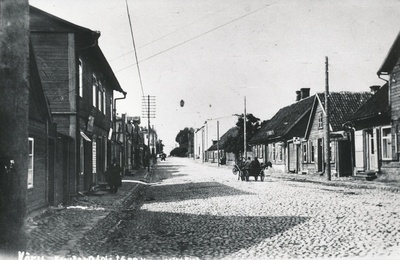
(107,71)
(86,40)
(53,23)
(233,132)
(284,121)
(391,58)
(375,107)
(342,106)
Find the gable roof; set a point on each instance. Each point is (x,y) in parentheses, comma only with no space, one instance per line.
(286,119)
(233,132)
(41,21)
(375,108)
(342,106)
(391,58)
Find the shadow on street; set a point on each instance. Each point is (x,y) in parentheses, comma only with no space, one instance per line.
(164,234)
(189,191)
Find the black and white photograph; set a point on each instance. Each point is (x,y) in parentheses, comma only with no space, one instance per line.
(188,129)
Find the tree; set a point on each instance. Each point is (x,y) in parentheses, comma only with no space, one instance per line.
(185,140)
(234,144)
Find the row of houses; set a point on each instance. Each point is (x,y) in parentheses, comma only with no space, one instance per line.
(74,130)
(363,126)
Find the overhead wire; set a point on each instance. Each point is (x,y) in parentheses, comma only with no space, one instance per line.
(198,36)
(134,47)
(168,34)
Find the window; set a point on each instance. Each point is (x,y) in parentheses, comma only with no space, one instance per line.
(95,91)
(31,158)
(104,102)
(260,151)
(80,78)
(111,110)
(311,151)
(386,142)
(305,153)
(320,120)
(279,152)
(273,152)
(100,99)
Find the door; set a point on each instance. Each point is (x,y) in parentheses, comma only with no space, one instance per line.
(291,157)
(372,149)
(359,151)
(320,158)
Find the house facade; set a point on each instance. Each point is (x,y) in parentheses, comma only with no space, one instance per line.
(371,125)
(342,105)
(45,183)
(79,85)
(389,134)
(218,149)
(277,140)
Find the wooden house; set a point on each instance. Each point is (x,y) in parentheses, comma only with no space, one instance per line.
(389,135)
(277,141)
(370,123)
(78,83)
(342,105)
(219,147)
(43,181)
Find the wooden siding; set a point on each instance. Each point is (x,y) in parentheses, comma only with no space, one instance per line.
(395,91)
(315,134)
(51,52)
(37,196)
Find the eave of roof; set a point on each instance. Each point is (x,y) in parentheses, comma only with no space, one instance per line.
(87,34)
(375,107)
(283,121)
(71,27)
(234,131)
(391,58)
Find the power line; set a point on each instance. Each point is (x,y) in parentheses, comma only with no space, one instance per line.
(134,46)
(200,35)
(168,34)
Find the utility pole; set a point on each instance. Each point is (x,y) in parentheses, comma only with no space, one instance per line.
(149,111)
(218,142)
(202,143)
(188,136)
(14,120)
(327,138)
(245,131)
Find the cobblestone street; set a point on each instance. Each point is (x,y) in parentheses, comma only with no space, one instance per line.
(200,211)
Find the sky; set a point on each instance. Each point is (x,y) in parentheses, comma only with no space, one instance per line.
(214,54)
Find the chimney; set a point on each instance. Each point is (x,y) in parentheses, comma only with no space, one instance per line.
(298,95)
(375,88)
(305,93)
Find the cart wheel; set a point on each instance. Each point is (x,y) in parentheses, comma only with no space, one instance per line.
(262,176)
(234,170)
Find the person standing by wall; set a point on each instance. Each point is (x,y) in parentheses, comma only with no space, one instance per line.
(114,176)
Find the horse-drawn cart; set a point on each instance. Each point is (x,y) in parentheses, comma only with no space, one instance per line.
(245,173)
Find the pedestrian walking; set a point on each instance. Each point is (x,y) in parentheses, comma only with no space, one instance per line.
(113,176)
